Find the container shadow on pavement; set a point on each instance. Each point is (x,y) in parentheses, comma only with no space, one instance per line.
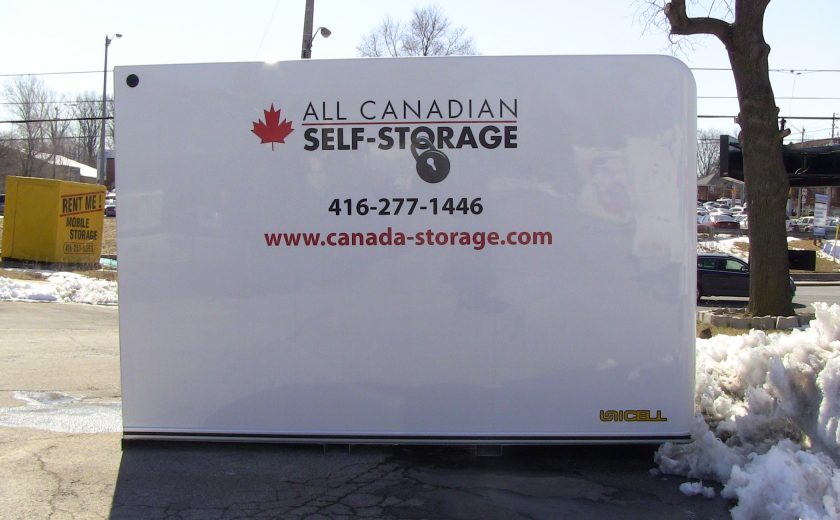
(199,480)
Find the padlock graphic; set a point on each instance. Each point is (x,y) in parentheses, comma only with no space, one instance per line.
(432,164)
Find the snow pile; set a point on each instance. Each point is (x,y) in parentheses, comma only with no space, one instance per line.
(62,288)
(769,421)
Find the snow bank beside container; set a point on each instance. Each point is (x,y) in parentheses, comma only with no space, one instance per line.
(767,428)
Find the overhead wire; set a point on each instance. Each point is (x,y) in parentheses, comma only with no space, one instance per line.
(797,98)
(267,27)
(699,69)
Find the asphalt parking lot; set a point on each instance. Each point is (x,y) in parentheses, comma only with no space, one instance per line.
(68,354)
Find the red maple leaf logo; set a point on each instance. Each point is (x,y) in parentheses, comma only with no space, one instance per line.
(272,131)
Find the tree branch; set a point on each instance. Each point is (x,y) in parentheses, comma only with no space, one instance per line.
(682,24)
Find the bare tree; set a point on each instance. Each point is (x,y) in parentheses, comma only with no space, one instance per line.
(429,32)
(708,152)
(6,151)
(383,41)
(86,109)
(57,128)
(110,131)
(28,98)
(740,27)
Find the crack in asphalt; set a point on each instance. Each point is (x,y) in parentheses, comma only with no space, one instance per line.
(380,486)
(42,466)
(349,491)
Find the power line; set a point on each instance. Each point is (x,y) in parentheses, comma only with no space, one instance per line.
(57,120)
(702,69)
(267,27)
(796,98)
(788,71)
(60,73)
(62,119)
(75,101)
(7,139)
(824,118)
(65,102)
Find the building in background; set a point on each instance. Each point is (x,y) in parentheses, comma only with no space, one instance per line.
(110,170)
(44,166)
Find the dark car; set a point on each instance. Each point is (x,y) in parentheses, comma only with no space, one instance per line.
(719,274)
(111,209)
(719,223)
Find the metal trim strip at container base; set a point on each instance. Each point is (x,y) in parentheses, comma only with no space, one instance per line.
(400,439)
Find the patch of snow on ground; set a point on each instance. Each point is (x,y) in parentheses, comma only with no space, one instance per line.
(768,426)
(59,412)
(696,488)
(62,288)
(725,245)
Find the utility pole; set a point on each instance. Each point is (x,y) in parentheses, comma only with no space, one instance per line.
(306,46)
(103,163)
(831,190)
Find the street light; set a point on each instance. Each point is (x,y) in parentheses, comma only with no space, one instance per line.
(101,172)
(306,45)
(307,51)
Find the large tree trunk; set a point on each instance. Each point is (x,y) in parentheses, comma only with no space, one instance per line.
(764,170)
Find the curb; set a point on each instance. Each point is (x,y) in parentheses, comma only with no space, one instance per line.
(816,283)
(726,318)
(815,277)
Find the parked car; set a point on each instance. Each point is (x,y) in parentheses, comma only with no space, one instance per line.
(719,274)
(718,223)
(830,228)
(111,209)
(832,222)
(805,224)
(2,203)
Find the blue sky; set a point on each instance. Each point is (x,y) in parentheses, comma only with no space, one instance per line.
(59,36)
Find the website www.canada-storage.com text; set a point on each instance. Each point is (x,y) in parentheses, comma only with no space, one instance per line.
(477,240)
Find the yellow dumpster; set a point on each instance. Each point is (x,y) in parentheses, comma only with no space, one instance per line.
(53,221)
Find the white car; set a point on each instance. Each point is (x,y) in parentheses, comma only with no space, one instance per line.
(720,211)
(804,224)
